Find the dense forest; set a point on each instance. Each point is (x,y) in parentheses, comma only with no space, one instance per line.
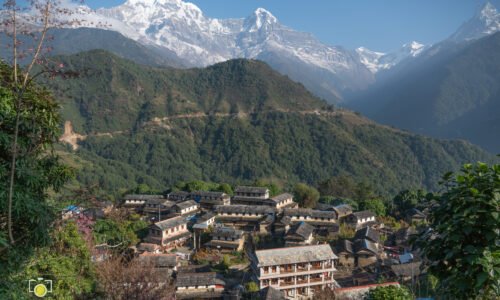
(233,122)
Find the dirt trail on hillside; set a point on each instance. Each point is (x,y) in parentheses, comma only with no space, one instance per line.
(72,138)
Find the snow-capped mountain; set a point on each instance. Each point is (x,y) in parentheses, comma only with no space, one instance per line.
(485,22)
(377,61)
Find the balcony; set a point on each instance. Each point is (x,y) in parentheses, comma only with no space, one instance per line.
(287,270)
(287,283)
(316,279)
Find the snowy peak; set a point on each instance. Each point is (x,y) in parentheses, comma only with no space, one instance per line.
(485,22)
(261,19)
(377,61)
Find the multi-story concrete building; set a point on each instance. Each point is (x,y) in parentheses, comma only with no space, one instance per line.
(169,233)
(296,271)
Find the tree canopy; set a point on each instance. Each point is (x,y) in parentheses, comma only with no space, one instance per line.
(462,243)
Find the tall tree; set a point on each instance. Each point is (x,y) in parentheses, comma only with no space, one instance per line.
(306,196)
(33,19)
(462,243)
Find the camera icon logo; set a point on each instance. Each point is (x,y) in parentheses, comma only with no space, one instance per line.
(40,287)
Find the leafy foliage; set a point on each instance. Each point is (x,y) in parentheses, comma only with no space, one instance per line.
(38,169)
(305,195)
(389,293)
(462,244)
(375,205)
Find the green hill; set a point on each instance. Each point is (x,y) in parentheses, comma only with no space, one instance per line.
(233,122)
(454,94)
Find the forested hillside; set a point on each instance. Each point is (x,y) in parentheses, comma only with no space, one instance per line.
(233,122)
(451,92)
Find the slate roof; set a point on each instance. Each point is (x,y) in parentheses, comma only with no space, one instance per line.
(407,270)
(285,220)
(244,209)
(161,201)
(186,204)
(282,197)
(301,229)
(196,279)
(159,260)
(363,214)
(257,200)
(178,194)
(227,232)
(282,256)
(345,246)
(343,210)
(365,244)
(368,233)
(270,293)
(306,212)
(143,197)
(323,206)
(169,223)
(251,189)
(209,194)
(205,217)
(148,247)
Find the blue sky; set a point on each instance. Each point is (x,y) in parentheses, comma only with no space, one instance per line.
(381,25)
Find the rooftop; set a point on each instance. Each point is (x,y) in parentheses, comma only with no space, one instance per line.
(345,246)
(343,209)
(197,279)
(169,223)
(244,209)
(209,194)
(251,189)
(159,260)
(365,244)
(227,232)
(186,204)
(282,256)
(363,214)
(306,212)
(282,197)
(270,293)
(142,197)
(301,229)
(368,233)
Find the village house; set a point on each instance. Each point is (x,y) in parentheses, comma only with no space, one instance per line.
(188,207)
(366,252)
(167,262)
(282,225)
(314,217)
(345,252)
(270,293)
(178,196)
(226,239)
(169,233)
(296,271)
(300,234)
(369,234)
(415,216)
(158,208)
(148,247)
(202,224)
(253,192)
(246,218)
(406,272)
(137,202)
(342,210)
(402,239)
(209,285)
(208,200)
(284,200)
(360,219)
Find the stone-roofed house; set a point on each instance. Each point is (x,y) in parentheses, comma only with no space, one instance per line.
(360,219)
(314,217)
(406,272)
(136,202)
(342,210)
(300,234)
(366,252)
(270,293)
(252,191)
(178,196)
(169,233)
(369,234)
(158,208)
(185,208)
(209,285)
(208,200)
(226,239)
(415,215)
(296,271)
(246,218)
(284,200)
(160,261)
(282,226)
(345,252)
(242,200)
